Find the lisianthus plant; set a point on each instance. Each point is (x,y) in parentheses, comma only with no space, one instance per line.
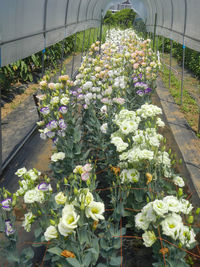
(164,221)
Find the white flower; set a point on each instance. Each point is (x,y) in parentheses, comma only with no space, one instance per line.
(149,213)
(104,109)
(57,156)
(186,207)
(187,236)
(95,210)
(50,233)
(173,203)
(104,128)
(85,197)
(33,195)
(130,175)
(119,143)
(21,172)
(68,223)
(149,238)
(33,176)
(68,208)
(160,123)
(23,188)
(172,225)
(60,198)
(160,207)
(141,222)
(178,181)
(54,100)
(28,219)
(64,100)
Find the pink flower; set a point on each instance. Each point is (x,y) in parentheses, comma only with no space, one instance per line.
(85,176)
(87,167)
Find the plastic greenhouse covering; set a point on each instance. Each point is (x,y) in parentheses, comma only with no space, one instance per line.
(28,26)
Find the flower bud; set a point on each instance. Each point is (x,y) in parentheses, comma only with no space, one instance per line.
(190,219)
(39,212)
(75,191)
(65,181)
(180,161)
(179,245)
(88,182)
(197,211)
(58,186)
(180,192)
(52,222)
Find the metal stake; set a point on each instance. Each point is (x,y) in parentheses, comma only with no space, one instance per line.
(154,32)
(72,71)
(101,26)
(83,44)
(182,75)
(163,51)
(62,54)
(0,137)
(170,69)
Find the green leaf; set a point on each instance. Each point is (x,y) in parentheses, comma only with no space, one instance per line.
(115,261)
(87,259)
(37,232)
(77,135)
(55,250)
(101,265)
(73,262)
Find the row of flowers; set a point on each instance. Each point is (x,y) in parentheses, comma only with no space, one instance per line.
(106,137)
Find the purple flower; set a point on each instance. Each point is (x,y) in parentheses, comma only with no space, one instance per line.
(52,125)
(140,92)
(50,134)
(140,76)
(63,109)
(148,90)
(44,187)
(6,204)
(9,228)
(62,124)
(45,110)
(135,79)
(74,93)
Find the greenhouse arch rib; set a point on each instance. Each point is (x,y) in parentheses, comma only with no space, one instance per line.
(30,28)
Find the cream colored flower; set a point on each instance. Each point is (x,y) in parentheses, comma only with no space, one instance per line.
(50,233)
(95,210)
(57,156)
(60,198)
(149,238)
(68,223)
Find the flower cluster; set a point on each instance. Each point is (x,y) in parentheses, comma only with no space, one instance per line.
(71,213)
(166,213)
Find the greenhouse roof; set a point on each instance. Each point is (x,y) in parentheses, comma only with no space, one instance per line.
(29,26)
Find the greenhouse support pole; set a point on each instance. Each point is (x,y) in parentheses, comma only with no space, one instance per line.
(72,71)
(44,33)
(101,27)
(182,74)
(94,34)
(62,54)
(154,32)
(170,68)
(163,51)
(199,122)
(83,44)
(183,59)
(0,127)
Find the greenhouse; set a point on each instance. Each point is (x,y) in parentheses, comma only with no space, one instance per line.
(99,136)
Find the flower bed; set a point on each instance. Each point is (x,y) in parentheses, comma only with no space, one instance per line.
(110,169)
